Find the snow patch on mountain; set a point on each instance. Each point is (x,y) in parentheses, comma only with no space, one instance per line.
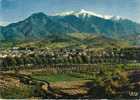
(85,13)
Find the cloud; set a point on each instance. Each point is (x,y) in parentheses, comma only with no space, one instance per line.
(3,23)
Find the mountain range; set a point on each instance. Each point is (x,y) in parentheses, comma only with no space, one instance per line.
(40,26)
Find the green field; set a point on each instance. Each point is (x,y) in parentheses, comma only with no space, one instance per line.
(57,77)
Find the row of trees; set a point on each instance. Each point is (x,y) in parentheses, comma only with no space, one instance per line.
(106,57)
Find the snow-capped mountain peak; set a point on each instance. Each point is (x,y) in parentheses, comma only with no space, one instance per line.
(86,13)
(64,13)
(116,18)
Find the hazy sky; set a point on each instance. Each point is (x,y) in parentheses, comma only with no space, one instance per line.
(15,10)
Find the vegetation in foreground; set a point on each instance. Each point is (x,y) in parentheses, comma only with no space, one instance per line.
(99,82)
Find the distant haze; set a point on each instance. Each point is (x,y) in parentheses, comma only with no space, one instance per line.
(16,10)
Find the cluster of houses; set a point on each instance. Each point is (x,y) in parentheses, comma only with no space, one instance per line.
(115,53)
(18,52)
(14,52)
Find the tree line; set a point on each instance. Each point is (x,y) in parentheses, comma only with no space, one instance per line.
(114,56)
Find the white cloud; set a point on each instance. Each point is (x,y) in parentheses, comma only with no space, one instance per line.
(3,23)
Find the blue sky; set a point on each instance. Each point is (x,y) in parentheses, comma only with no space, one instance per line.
(15,10)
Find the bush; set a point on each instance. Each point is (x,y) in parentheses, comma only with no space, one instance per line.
(16,92)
